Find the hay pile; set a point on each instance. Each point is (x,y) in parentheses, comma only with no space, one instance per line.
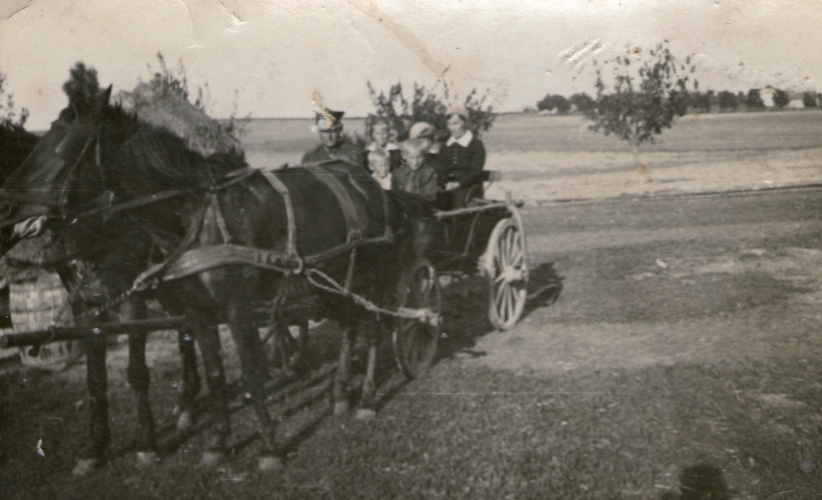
(173,112)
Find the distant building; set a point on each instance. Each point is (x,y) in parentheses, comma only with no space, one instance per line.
(795,100)
(767,96)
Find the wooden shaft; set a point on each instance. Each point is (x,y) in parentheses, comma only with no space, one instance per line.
(64,333)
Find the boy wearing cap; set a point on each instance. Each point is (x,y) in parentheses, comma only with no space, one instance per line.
(329,126)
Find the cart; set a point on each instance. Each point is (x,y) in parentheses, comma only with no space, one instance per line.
(485,237)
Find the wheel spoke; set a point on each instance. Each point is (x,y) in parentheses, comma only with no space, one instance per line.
(511,304)
(503,249)
(415,348)
(510,236)
(504,303)
(499,296)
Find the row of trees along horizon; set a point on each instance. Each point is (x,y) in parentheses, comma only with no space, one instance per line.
(702,102)
(639,94)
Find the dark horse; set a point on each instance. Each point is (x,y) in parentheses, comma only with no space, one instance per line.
(15,145)
(123,196)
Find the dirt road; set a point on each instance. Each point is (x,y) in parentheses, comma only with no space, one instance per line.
(710,278)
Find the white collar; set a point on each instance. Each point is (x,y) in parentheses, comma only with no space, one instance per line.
(388,147)
(463,141)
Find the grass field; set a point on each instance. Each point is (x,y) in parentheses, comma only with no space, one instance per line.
(681,358)
(547,158)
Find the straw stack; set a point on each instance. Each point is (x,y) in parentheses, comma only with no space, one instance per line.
(171,111)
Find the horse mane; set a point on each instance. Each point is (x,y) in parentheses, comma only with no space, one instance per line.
(151,157)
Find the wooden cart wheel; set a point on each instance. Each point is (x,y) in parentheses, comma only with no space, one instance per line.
(506,266)
(415,341)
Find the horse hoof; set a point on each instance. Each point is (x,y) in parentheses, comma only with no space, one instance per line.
(340,408)
(146,458)
(366,414)
(185,421)
(270,464)
(211,459)
(87,466)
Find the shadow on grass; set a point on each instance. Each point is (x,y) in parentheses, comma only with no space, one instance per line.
(466,309)
(700,482)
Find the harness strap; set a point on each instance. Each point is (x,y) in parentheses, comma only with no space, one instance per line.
(277,184)
(198,260)
(191,235)
(217,213)
(349,210)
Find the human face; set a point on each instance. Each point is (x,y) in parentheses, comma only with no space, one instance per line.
(414,159)
(380,135)
(456,125)
(426,142)
(331,137)
(378,165)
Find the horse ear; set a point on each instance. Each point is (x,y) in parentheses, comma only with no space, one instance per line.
(105,96)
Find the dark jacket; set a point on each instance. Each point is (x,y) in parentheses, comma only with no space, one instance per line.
(423,181)
(343,151)
(463,164)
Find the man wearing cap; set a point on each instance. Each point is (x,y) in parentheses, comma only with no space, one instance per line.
(332,147)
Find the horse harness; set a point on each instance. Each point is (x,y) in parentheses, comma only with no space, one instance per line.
(184,262)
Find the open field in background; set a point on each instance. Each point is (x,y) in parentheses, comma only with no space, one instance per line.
(547,158)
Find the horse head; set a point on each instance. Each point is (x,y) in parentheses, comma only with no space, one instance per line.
(61,175)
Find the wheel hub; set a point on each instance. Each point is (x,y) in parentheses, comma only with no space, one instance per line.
(511,274)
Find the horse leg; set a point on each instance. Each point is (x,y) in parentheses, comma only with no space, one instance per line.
(209,340)
(367,409)
(248,344)
(100,434)
(139,380)
(190,383)
(343,369)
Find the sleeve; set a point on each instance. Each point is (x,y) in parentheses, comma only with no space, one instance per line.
(428,189)
(307,156)
(472,172)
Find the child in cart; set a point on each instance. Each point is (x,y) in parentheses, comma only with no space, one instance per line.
(378,164)
(413,175)
(381,136)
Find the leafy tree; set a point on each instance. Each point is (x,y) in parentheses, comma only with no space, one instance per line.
(551,102)
(427,104)
(754,100)
(727,101)
(8,115)
(741,98)
(648,91)
(582,101)
(702,101)
(780,98)
(809,99)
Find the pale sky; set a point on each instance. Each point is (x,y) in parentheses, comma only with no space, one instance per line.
(276,54)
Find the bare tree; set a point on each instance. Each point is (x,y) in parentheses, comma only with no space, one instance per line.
(8,116)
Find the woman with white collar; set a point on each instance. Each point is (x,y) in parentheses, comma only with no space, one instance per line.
(461,160)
